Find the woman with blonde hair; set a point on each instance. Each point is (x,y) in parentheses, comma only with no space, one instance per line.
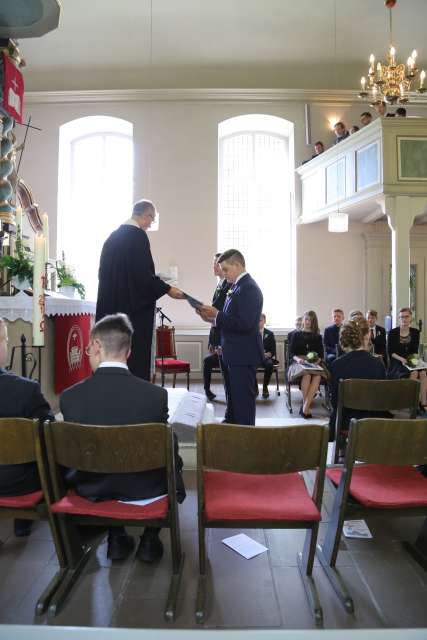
(403,342)
(305,351)
(355,363)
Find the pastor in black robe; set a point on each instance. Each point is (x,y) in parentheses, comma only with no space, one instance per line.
(128,284)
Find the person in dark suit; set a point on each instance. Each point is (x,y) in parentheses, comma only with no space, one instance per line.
(355,363)
(241,343)
(404,341)
(214,359)
(128,283)
(377,335)
(269,346)
(331,336)
(113,396)
(19,398)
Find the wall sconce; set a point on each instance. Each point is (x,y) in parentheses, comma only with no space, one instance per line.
(338,222)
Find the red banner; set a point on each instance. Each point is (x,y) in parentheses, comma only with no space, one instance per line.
(71,362)
(13,89)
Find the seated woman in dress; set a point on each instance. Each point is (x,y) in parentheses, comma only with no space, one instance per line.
(307,340)
(404,341)
(355,363)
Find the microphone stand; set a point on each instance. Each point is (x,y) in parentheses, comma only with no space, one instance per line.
(163,317)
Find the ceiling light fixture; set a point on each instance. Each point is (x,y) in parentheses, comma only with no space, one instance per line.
(391,82)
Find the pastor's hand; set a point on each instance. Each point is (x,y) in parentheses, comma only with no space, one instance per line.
(207,312)
(176,293)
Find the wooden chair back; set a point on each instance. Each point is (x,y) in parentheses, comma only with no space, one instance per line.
(107,449)
(270,450)
(17,437)
(379,395)
(388,442)
(165,342)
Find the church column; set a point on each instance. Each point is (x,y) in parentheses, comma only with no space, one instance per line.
(400,212)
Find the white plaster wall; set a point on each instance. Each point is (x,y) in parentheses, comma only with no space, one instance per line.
(176,166)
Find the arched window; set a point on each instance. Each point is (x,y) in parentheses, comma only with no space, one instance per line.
(95,190)
(255,206)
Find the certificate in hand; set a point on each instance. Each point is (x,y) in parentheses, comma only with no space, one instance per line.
(196,304)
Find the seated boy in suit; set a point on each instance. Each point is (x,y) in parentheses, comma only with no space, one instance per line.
(19,398)
(113,396)
(269,345)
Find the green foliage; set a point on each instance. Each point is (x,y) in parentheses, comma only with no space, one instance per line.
(66,279)
(20,265)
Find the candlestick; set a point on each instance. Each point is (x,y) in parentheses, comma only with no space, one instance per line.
(45,220)
(392,58)
(363,82)
(38,291)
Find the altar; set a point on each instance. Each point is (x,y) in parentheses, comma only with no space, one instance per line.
(62,361)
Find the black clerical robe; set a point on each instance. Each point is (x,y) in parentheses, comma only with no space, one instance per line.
(128,284)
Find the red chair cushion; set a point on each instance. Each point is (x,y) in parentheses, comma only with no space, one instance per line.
(385,487)
(171,364)
(76,505)
(22,502)
(243,496)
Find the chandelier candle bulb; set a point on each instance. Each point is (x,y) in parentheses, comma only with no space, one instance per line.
(422,78)
(38,291)
(379,72)
(392,56)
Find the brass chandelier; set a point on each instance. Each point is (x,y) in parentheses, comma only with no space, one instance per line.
(391,82)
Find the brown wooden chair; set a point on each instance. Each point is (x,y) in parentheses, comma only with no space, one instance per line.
(20,444)
(248,478)
(373,395)
(166,360)
(110,449)
(387,484)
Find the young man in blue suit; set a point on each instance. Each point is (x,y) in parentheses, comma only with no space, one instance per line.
(241,344)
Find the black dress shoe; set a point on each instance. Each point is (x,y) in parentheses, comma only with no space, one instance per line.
(210,396)
(119,547)
(22,528)
(151,547)
(265,394)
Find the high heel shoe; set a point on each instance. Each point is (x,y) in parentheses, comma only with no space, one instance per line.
(422,409)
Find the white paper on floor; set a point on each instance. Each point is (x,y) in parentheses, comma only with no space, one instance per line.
(246,546)
(356,529)
(143,503)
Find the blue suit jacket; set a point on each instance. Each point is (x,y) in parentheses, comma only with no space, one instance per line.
(331,339)
(239,324)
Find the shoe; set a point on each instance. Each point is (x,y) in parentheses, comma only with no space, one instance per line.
(265,393)
(301,412)
(256,392)
(120,547)
(22,528)
(210,396)
(151,547)
(422,409)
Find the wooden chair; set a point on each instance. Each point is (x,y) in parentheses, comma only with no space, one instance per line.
(387,484)
(20,444)
(166,360)
(373,395)
(248,478)
(110,449)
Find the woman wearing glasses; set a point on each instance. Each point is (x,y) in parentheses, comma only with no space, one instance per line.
(404,341)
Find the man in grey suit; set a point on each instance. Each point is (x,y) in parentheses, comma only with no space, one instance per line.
(113,396)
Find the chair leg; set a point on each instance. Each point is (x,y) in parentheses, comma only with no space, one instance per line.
(327,552)
(174,380)
(70,577)
(305,562)
(46,596)
(289,398)
(277,383)
(418,550)
(188,381)
(201,586)
(153,380)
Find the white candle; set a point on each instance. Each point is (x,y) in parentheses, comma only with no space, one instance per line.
(18,222)
(38,291)
(45,220)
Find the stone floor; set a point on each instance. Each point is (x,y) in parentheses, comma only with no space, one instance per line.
(388,587)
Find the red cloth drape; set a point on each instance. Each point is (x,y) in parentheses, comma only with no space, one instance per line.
(71,362)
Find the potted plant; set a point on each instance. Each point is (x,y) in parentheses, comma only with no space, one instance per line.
(67,284)
(19,266)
